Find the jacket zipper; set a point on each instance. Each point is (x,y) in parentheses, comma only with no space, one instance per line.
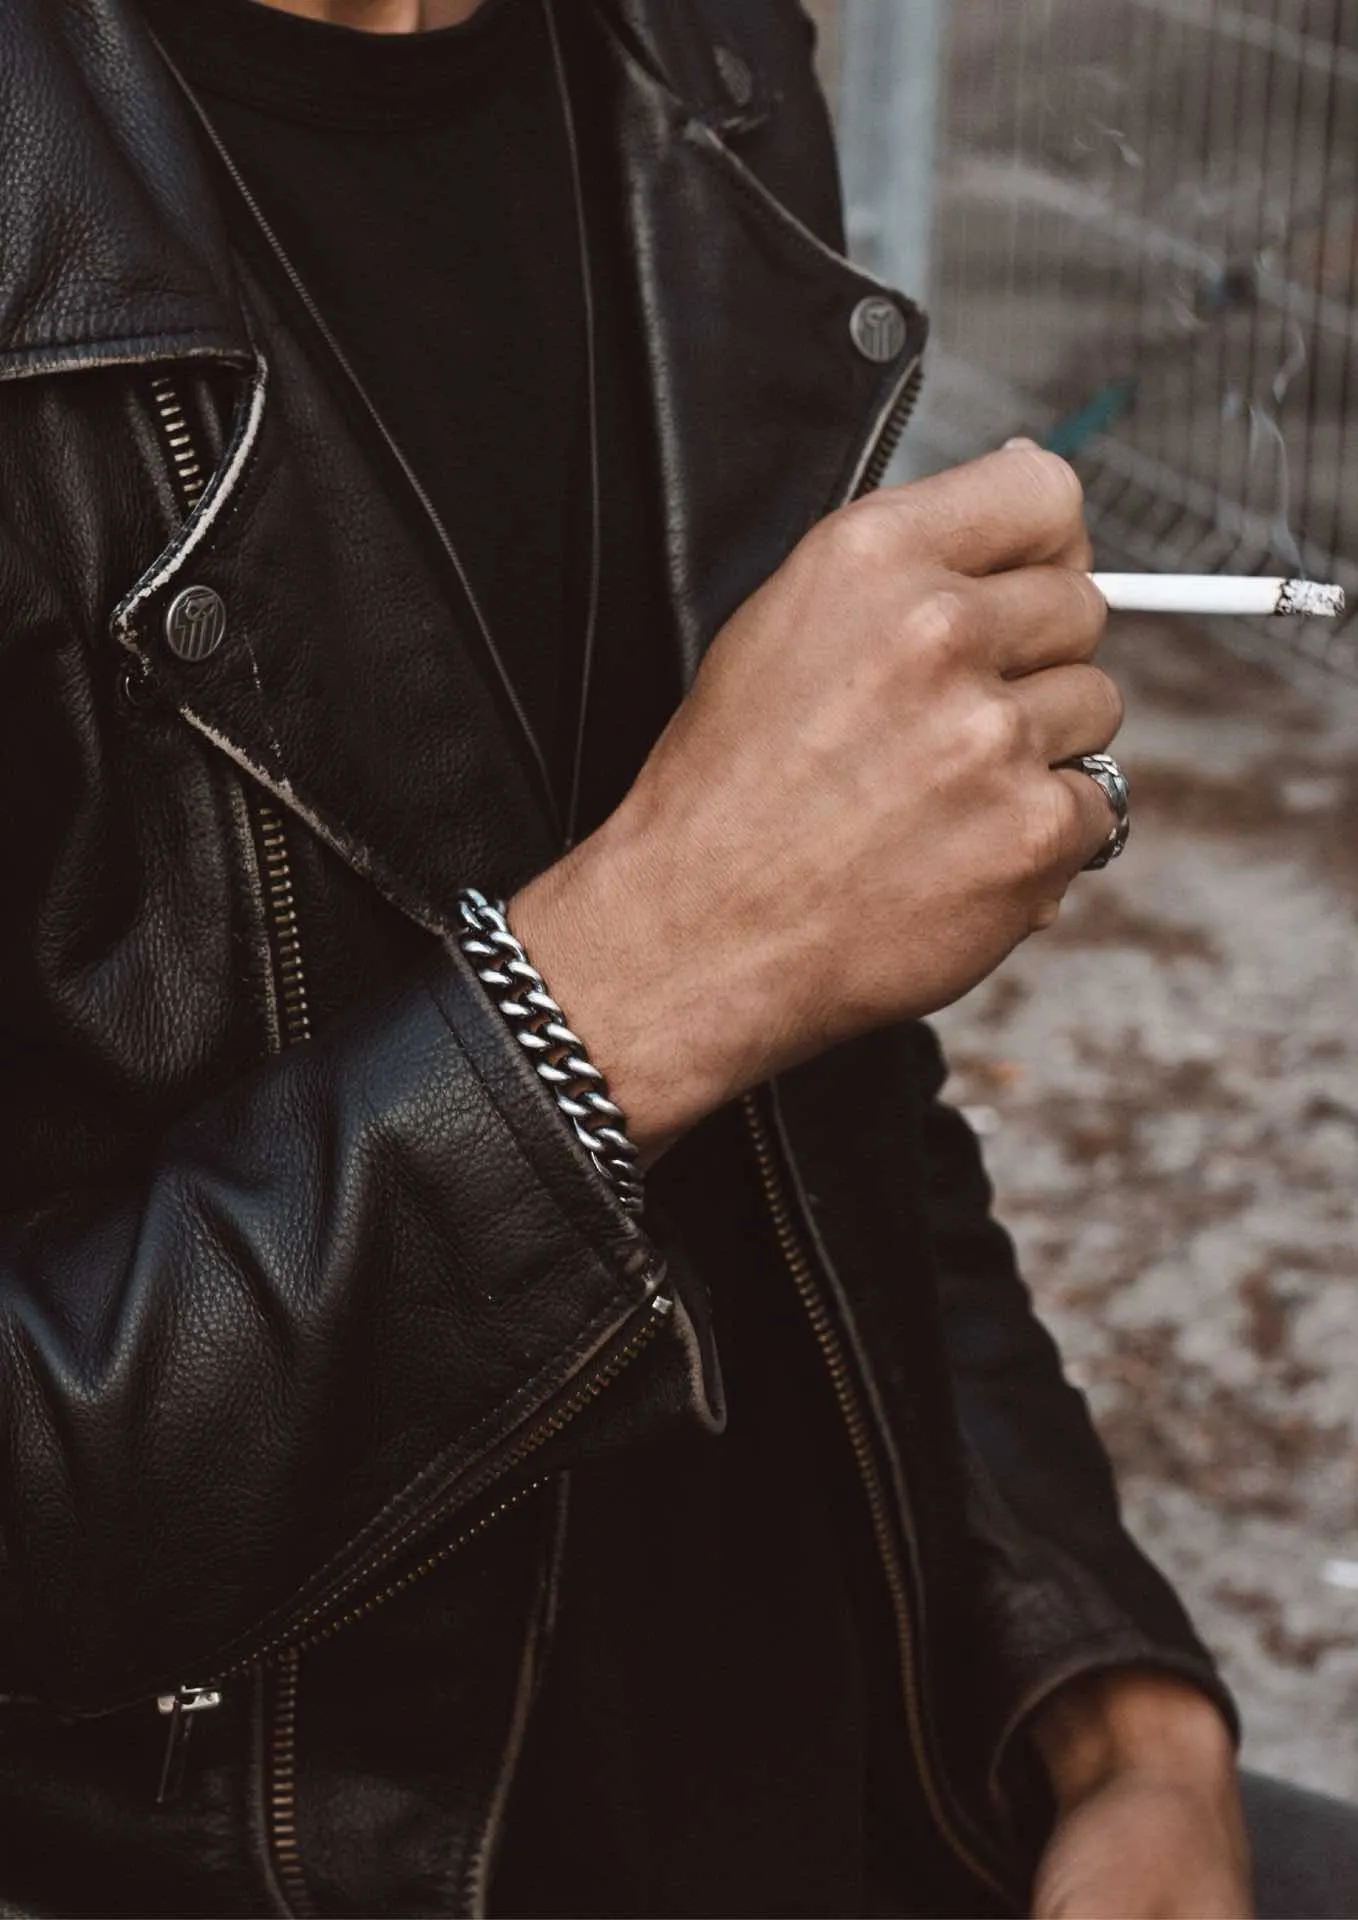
(278,902)
(799,1264)
(277,894)
(179,1707)
(892,431)
(188,468)
(879,1504)
(322,1623)
(282,1792)
(286,1670)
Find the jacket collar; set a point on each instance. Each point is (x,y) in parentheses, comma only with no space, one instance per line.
(764,408)
(113,248)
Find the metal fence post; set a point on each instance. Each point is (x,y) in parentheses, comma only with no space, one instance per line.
(891,71)
(891,79)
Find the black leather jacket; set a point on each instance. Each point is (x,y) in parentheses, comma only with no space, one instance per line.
(301,1283)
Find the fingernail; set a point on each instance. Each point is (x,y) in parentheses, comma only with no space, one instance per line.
(1021,440)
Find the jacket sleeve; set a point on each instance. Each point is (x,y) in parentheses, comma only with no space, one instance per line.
(345,1299)
(1063,1587)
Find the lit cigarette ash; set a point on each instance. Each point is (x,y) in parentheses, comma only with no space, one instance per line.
(1312,598)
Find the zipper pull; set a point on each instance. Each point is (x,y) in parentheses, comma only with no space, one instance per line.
(179,1707)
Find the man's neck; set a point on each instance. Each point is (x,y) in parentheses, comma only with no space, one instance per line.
(381,16)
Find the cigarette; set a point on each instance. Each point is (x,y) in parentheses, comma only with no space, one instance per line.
(1214,593)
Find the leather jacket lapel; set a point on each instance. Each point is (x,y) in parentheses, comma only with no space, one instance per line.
(113,251)
(350,681)
(764,408)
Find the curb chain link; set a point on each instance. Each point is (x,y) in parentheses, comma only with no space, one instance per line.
(557,1055)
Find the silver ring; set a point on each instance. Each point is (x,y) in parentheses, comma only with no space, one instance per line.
(1111,781)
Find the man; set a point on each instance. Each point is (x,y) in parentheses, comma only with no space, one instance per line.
(398,407)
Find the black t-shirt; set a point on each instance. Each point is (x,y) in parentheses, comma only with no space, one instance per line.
(421,187)
(703,1743)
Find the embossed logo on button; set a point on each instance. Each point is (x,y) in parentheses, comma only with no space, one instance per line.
(878,329)
(195,623)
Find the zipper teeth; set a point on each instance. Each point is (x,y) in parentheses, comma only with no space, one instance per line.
(294,1025)
(281,901)
(892,433)
(479,1869)
(408,1579)
(317,1625)
(283,1787)
(832,1349)
(280,898)
(179,439)
(283,1836)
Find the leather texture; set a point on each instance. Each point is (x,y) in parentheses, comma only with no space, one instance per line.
(281,1324)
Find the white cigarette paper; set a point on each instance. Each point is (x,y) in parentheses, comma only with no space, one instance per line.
(1215,593)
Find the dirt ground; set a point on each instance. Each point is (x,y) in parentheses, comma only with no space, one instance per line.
(1167,1084)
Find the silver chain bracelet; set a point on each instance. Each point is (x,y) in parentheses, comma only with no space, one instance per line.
(558,1055)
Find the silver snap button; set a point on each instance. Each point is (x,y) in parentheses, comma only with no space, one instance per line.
(735,75)
(195,623)
(878,329)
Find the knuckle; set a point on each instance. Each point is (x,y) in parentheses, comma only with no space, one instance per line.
(1107,698)
(1056,483)
(944,623)
(1089,609)
(862,536)
(998,731)
(1070,608)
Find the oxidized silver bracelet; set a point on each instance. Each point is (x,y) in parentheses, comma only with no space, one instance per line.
(558,1055)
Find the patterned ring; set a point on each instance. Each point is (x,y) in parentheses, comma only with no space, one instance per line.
(1112,782)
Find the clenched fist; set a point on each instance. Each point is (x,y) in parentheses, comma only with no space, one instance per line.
(856,812)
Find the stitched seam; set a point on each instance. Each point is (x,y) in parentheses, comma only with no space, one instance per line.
(150,344)
(466,1886)
(228,1654)
(700,133)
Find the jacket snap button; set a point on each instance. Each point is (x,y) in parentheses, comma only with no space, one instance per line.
(195,623)
(878,329)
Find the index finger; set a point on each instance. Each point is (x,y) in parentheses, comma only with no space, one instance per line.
(1019,507)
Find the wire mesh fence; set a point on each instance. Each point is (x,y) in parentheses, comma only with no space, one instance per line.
(1146,253)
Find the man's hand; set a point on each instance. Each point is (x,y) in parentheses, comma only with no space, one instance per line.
(853,817)
(1148,1825)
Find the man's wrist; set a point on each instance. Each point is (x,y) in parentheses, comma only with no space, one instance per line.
(1128,1718)
(624,974)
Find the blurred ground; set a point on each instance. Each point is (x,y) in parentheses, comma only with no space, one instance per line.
(1168,1088)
